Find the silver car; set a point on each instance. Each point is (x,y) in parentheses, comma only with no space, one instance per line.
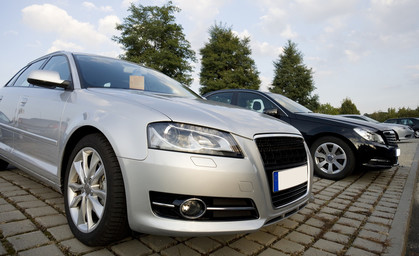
(130,148)
(403,132)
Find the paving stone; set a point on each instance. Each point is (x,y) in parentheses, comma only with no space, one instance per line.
(349,222)
(288,246)
(331,211)
(300,238)
(315,223)
(226,239)
(352,251)
(132,247)
(342,229)
(263,238)
(7,208)
(329,246)
(317,252)
(31,204)
(368,245)
(74,246)
(181,250)
(11,193)
(61,233)
(276,230)
(226,251)
(25,198)
(11,216)
(336,237)
(103,252)
(9,187)
(378,220)
(385,209)
(246,246)
(203,245)
(355,216)
(41,211)
(51,249)
(309,230)
(158,243)
(287,223)
(28,240)
(2,250)
(51,220)
(376,227)
(271,252)
(3,202)
(17,227)
(373,235)
(298,217)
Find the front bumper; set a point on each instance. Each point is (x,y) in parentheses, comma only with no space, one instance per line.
(379,156)
(207,177)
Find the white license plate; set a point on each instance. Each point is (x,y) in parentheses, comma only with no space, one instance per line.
(288,178)
(398,152)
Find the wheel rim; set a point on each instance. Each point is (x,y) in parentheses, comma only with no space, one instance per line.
(330,158)
(86,190)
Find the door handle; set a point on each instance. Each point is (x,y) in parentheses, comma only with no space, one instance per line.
(23,101)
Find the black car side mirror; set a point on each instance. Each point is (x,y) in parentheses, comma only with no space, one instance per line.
(48,79)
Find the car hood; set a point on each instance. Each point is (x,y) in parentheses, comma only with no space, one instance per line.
(201,112)
(341,121)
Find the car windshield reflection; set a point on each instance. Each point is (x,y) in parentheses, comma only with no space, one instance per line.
(290,105)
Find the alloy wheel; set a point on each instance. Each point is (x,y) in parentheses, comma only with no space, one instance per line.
(330,158)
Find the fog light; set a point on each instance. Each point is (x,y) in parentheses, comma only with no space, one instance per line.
(192,208)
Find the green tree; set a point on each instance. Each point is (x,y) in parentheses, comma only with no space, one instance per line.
(150,36)
(293,79)
(327,109)
(348,107)
(226,62)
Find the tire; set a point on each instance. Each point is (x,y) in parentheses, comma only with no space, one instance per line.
(333,158)
(94,193)
(3,165)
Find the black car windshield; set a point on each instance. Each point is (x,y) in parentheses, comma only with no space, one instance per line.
(289,104)
(103,72)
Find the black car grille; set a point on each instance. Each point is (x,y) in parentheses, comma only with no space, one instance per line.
(390,137)
(279,153)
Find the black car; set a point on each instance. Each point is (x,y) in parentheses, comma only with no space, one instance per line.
(337,144)
(413,122)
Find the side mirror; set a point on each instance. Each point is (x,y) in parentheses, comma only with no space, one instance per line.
(48,79)
(272,112)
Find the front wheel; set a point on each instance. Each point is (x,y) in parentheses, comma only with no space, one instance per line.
(333,158)
(94,193)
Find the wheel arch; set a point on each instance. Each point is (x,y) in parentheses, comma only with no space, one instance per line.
(71,143)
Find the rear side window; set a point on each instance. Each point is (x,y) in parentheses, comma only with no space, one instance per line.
(22,79)
(224,97)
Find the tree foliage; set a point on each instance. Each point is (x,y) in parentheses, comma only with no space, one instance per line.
(348,107)
(226,62)
(327,109)
(150,36)
(293,78)
(392,113)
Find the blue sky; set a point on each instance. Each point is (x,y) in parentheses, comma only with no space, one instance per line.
(367,51)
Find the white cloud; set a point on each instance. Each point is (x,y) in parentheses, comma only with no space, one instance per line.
(92,6)
(89,5)
(288,33)
(50,18)
(107,25)
(59,45)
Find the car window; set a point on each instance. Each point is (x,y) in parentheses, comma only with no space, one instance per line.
(225,97)
(254,101)
(406,122)
(391,121)
(59,64)
(22,79)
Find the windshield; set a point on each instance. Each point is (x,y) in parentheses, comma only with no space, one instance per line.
(103,72)
(370,120)
(289,104)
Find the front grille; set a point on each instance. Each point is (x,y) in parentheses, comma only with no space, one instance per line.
(390,137)
(286,196)
(217,208)
(279,153)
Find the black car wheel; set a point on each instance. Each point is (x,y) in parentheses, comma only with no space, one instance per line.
(94,194)
(333,158)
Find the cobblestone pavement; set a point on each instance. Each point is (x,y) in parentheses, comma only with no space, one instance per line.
(363,214)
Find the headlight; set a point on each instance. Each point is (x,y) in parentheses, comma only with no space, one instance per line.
(369,135)
(192,139)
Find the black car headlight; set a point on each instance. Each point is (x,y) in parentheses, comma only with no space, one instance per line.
(369,135)
(192,139)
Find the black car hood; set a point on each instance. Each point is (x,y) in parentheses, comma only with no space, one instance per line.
(339,121)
